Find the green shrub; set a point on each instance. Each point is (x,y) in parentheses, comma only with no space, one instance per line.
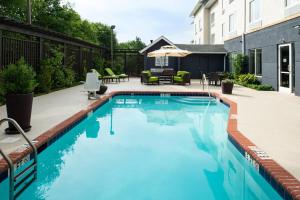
(58,78)
(228,81)
(45,78)
(18,78)
(2,99)
(239,63)
(247,79)
(69,76)
(228,75)
(262,87)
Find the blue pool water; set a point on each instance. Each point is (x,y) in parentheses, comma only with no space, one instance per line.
(148,148)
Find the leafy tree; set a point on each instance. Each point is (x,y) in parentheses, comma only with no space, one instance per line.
(239,64)
(133,44)
(15,9)
(104,35)
(58,16)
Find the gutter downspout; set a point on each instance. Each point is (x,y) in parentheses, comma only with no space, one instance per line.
(244,31)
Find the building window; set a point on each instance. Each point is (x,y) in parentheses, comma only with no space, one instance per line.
(223,7)
(255,61)
(195,28)
(231,23)
(223,29)
(200,25)
(162,61)
(199,40)
(290,2)
(254,7)
(212,19)
(212,38)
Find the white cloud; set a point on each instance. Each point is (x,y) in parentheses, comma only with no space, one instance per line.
(147,19)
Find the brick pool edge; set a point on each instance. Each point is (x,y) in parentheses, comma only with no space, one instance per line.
(280,179)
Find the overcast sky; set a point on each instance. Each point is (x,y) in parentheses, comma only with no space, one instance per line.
(147,19)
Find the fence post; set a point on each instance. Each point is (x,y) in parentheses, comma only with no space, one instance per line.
(41,51)
(65,54)
(125,63)
(0,49)
(81,70)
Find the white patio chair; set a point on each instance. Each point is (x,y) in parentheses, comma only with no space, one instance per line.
(92,84)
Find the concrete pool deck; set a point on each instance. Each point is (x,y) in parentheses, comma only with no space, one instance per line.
(271,120)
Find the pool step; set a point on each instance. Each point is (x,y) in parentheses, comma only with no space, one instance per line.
(196,101)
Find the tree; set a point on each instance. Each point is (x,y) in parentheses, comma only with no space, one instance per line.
(58,16)
(239,64)
(14,9)
(133,44)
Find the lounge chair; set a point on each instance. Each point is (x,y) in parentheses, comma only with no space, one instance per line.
(92,84)
(111,73)
(182,77)
(148,78)
(105,79)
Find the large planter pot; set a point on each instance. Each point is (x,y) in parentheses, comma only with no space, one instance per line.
(227,88)
(102,89)
(19,108)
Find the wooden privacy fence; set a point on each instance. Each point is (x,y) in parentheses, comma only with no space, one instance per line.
(34,44)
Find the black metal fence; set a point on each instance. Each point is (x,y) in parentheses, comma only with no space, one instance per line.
(131,60)
(34,44)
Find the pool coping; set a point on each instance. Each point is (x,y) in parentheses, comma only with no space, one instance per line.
(280,179)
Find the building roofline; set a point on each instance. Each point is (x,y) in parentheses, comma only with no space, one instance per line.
(209,52)
(196,8)
(156,41)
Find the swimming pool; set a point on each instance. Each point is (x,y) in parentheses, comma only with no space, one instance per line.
(148,147)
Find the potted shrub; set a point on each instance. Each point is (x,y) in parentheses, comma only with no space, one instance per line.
(18,83)
(227,86)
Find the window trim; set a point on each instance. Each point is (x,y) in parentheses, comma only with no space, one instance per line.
(259,18)
(234,23)
(158,61)
(255,50)
(212,24)
(223,29)
(291,5)
(214,38)
(200,25)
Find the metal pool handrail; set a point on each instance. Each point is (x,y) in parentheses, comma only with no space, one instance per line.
(204,81)
(13,185)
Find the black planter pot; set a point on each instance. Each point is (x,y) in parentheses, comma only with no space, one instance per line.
(19,108)
(227,88)
(102,89)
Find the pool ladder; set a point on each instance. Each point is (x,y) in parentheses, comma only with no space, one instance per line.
(205,82)
(20,181)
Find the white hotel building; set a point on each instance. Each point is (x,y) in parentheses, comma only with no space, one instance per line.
(265,30)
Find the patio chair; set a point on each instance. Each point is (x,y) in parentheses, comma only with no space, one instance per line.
(92,84)
(148,78)
(214,78)
(182,77)
(111,73)
(104,79)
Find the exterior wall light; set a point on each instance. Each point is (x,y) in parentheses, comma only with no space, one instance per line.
(298,28)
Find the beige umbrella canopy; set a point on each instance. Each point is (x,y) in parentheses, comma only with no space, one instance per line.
(169,50)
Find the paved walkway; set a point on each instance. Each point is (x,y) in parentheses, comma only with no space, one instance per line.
(270,119)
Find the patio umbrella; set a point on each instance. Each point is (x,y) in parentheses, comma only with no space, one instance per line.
(169,50)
